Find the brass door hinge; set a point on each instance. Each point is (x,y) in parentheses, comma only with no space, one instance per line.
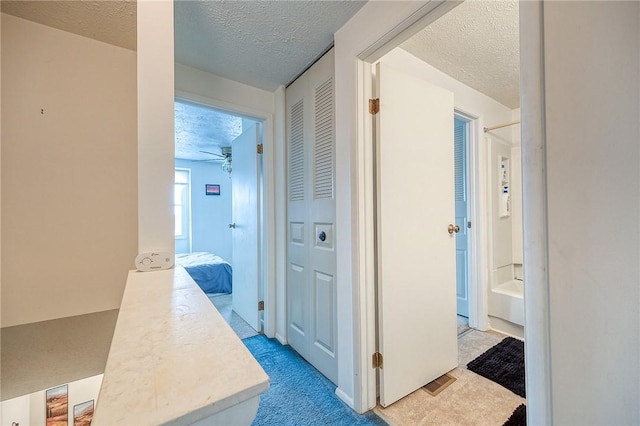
(377,360)
(261,305)
(374,106)
(259,148)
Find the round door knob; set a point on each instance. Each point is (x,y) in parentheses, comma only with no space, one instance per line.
(453,228)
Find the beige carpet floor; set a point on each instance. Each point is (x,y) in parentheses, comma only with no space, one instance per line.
(223,303)
(40,355)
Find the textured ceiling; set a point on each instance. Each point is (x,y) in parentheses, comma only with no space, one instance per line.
(268,43)
(203,129)
(112,22)
(477,44)
(261,43)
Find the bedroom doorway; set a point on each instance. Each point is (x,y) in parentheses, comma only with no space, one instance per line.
(222,212)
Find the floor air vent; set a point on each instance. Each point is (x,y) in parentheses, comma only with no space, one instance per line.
(439,384)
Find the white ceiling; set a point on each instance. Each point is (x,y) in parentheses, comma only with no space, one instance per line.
(266,44)
(200,129)
(112,22)
(476,43)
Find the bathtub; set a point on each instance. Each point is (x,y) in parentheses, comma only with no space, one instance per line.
(506,301)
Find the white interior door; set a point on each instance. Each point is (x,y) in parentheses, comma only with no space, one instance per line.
(246,234)
(312,329)
(416,254)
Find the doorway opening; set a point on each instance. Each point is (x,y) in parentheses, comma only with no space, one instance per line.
(218,205)
(491,234)
(462,127)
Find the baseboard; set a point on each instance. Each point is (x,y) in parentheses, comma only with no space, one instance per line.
(281,339)
(345,398)
(506,327)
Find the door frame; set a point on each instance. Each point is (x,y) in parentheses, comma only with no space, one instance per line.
(268,237)
(357,384)
(475,192)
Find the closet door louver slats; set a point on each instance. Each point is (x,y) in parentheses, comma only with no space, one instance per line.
(323,155)
(296,153)
(459,167)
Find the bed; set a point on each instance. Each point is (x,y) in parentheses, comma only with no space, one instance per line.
(211,272)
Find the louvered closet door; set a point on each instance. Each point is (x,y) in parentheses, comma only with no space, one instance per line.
(311,285)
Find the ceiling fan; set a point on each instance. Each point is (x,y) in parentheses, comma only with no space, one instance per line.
(225,157)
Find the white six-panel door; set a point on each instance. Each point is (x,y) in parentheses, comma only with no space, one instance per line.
(246,220)
(416,254)
(311,285)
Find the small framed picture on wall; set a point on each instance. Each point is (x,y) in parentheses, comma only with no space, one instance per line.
(83,414)
(56,406)
(211,189)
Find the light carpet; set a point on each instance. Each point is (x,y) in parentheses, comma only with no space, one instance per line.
(224,305)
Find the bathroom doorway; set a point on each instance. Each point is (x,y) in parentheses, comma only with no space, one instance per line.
(479,214)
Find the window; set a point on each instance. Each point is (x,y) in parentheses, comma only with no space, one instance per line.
(182,203)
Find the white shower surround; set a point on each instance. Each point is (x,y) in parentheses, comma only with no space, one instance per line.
(506,287)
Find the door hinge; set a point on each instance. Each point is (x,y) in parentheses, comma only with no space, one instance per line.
(259,148)
(374,106)
(377,360)
(261,305)
(469,225)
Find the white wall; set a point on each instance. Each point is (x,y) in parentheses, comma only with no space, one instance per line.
(500,241)
(226,94)
(155,126)
(0,198)
(487,110)
(210,214)
(30,409)
(592,86)
(69,195)
(516,190)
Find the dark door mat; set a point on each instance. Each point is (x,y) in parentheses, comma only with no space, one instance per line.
(503,364)
(518,418)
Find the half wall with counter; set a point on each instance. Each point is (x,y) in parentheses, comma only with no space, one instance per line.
(174,360)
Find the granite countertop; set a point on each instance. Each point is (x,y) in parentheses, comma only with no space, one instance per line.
(173,358)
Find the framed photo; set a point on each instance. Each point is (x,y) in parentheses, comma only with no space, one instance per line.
(83,414)
(211,189)
(57,408)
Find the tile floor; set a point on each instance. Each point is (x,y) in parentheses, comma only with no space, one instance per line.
(470,400)
(463,325)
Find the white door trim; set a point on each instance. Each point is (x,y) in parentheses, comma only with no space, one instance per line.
(268,237)
(534,221)
(355,269)
(478,264)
